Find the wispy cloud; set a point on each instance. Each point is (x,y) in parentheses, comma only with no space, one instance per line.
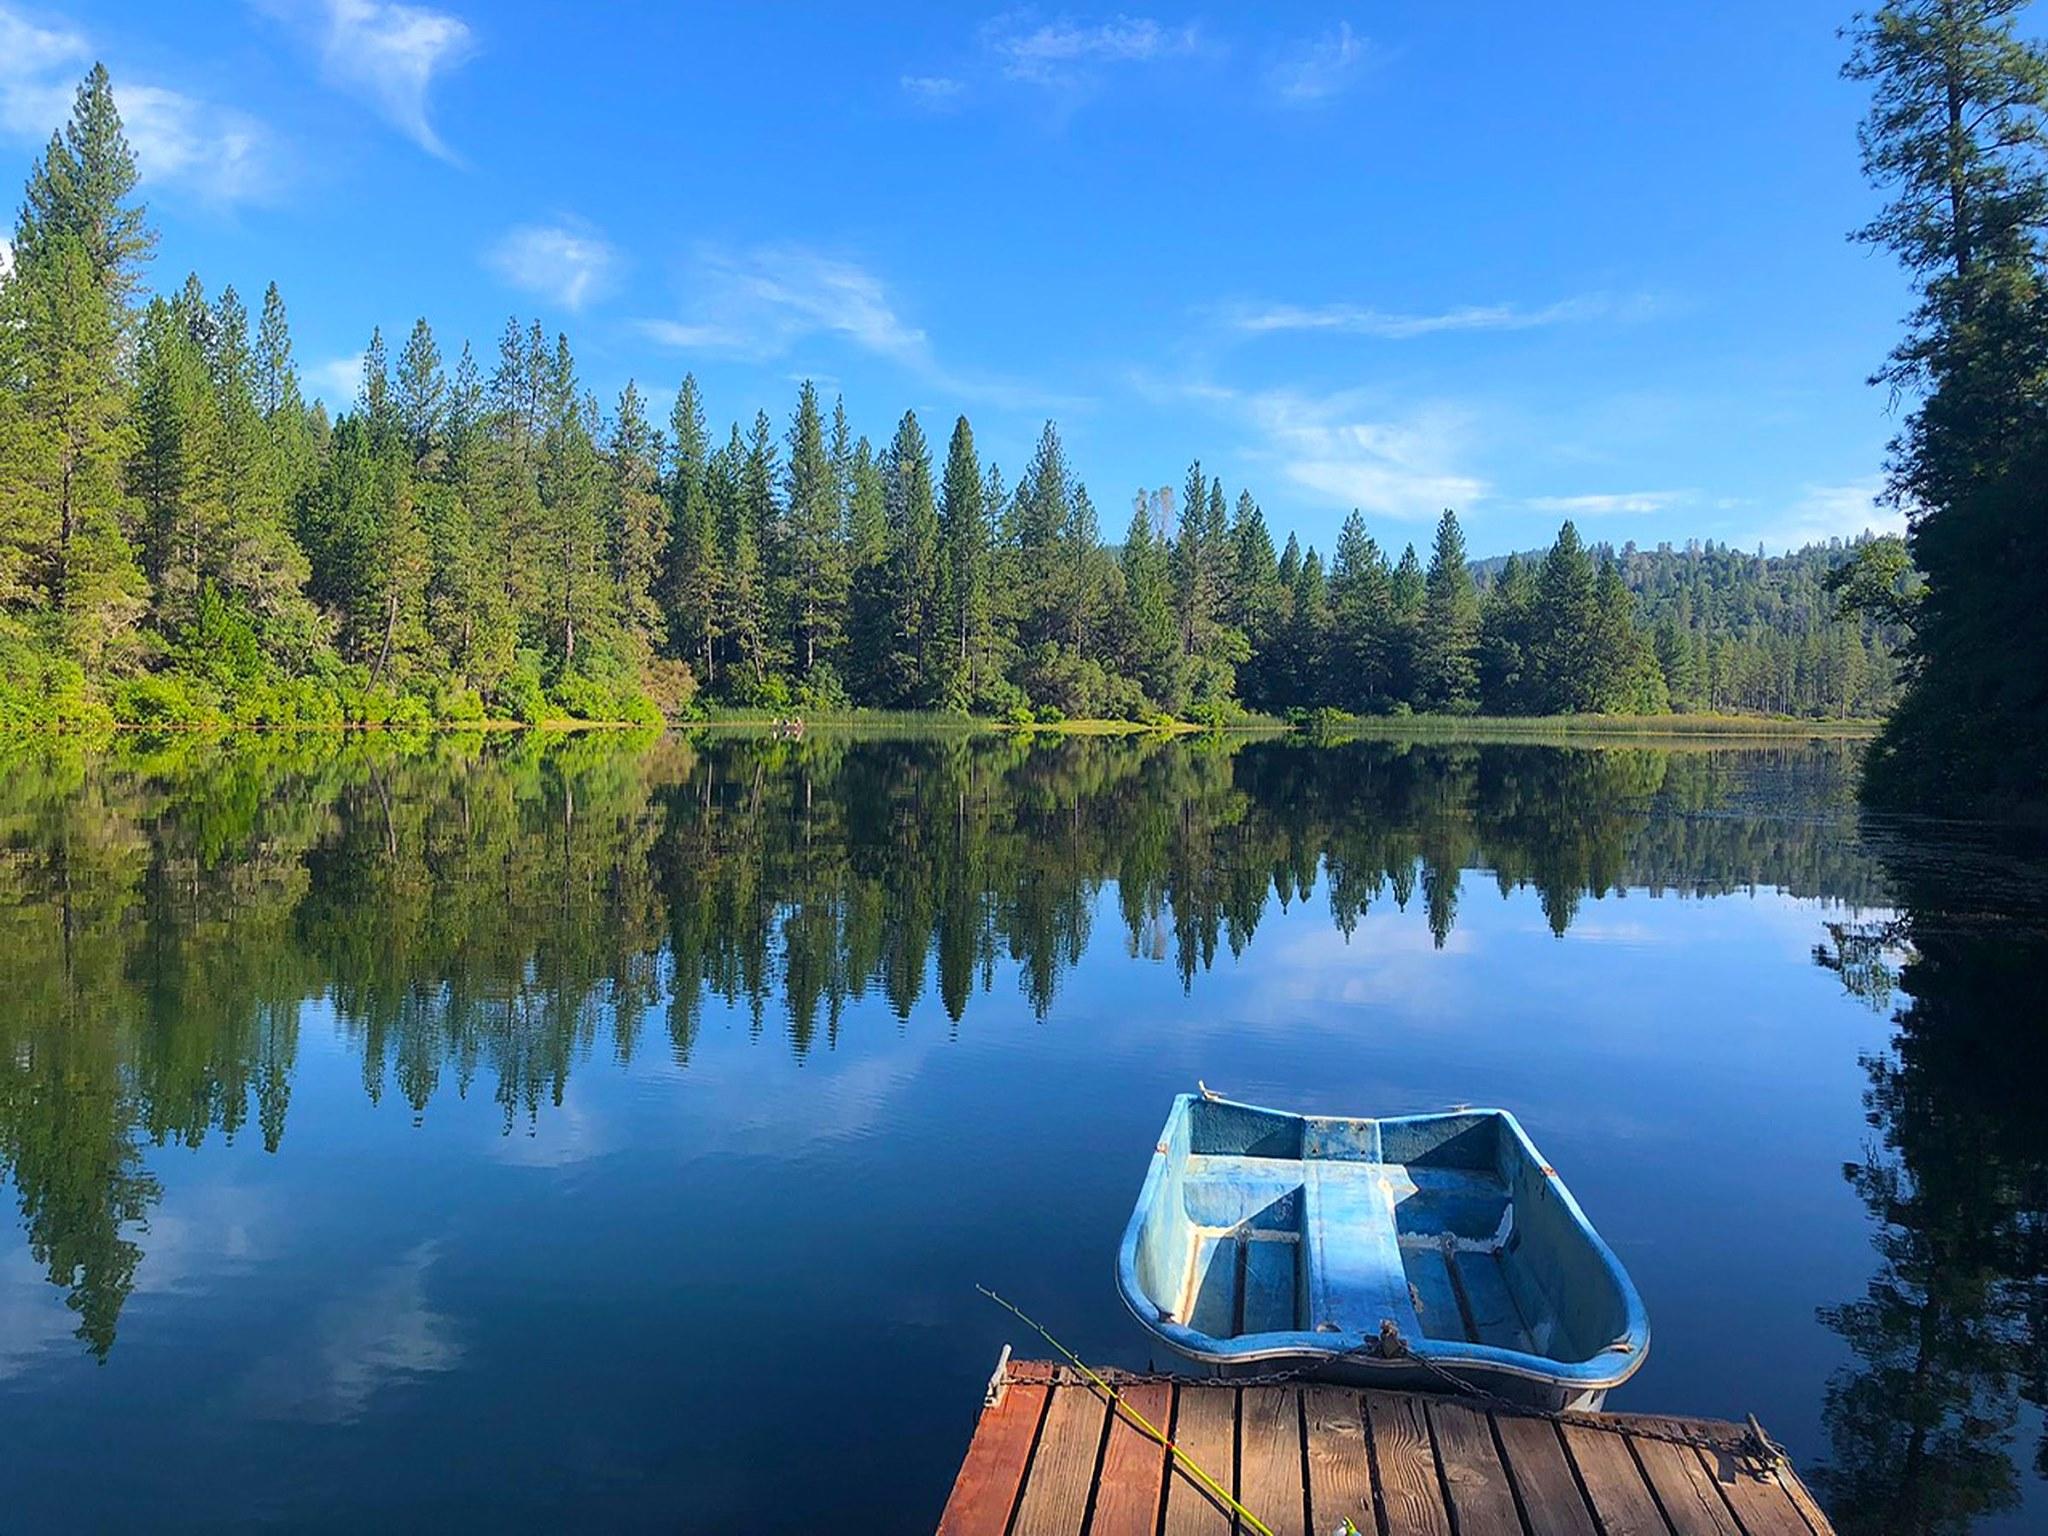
(337,381)
(217,152)
(1345,451)
(1608,503)
(1822,512)
(1361,320)
(1319,69)
(389,54)
(1062,52)
(759,304)
(568,262)
(936,92)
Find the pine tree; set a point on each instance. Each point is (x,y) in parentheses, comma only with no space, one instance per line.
(635,528)
(815,555)
(1447,674)
(179,462)
(82,188)
(419,396)
(1361,619)
(581,607)
(1508,684)
(66,435)
(743,610)
(872,617)
(692,580)
(912,670)
(1561,646)
(1152,644)
(964,528)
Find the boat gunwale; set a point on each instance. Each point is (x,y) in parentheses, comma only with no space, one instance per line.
(1613,1365)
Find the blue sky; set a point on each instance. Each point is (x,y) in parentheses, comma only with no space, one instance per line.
(1528,262)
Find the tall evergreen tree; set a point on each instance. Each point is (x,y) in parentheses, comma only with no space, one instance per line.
(1446,672)
(692,558)
(815,555)
(965,534)
(912,671)
(1361,619)
(1958,135)
(636,530)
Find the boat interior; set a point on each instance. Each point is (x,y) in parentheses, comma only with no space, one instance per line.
(1271,1223)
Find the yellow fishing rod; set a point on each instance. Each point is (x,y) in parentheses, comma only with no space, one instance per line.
(1116,1399)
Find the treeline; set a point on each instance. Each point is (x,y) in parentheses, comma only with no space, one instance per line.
(1749,633)
(185,538)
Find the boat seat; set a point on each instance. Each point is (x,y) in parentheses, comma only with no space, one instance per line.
(1352,1252)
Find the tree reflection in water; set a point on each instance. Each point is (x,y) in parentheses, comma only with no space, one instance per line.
(1951,1337)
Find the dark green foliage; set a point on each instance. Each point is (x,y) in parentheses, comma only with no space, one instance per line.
(1958,137)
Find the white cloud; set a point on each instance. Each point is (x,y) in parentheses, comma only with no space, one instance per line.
(337,381)
(1823,512)
(567,262)
(390,54)
(1359,320)
(6,259)
(935,91)
(218,152)
(1321,69)
(1337,449)
(759,304)
(1063,52)
(1607,503)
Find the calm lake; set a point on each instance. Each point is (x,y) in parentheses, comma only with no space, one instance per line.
(600,1132)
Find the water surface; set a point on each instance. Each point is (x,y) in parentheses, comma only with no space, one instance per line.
(602,1132)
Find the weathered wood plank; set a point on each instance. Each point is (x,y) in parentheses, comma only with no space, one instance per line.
(1409,1490)
(1535,1461)
(986,1490)
(1269,1456)
(1759,1500)
(1133,1466)
(1339,1462)
(1691,1503)
(1482,1502)
(1205,1428)
(1063,1468)
(1621,1499)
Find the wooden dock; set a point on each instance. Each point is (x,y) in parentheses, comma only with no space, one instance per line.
(1049,1459)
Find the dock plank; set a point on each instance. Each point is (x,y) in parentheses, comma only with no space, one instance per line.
(1063,1468)
(1205,1428)
(1549,1492)
(1691,1503)
(1482,1502)
(1269,1456)
(1759,1500)
(1339,1462)
(986,1489)
(1050,1459)
(1621,1499)
(1409,1490)
(1133,1466)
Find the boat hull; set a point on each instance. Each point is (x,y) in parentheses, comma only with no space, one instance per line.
(1420,1252)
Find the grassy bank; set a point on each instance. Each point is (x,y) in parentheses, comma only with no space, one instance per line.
(1601,727)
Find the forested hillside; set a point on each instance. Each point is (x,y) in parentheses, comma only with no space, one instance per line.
(184,538)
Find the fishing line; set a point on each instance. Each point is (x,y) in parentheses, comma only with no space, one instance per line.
(1116,1399)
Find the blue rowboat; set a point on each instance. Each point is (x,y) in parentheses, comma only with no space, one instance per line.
(1421,1251)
